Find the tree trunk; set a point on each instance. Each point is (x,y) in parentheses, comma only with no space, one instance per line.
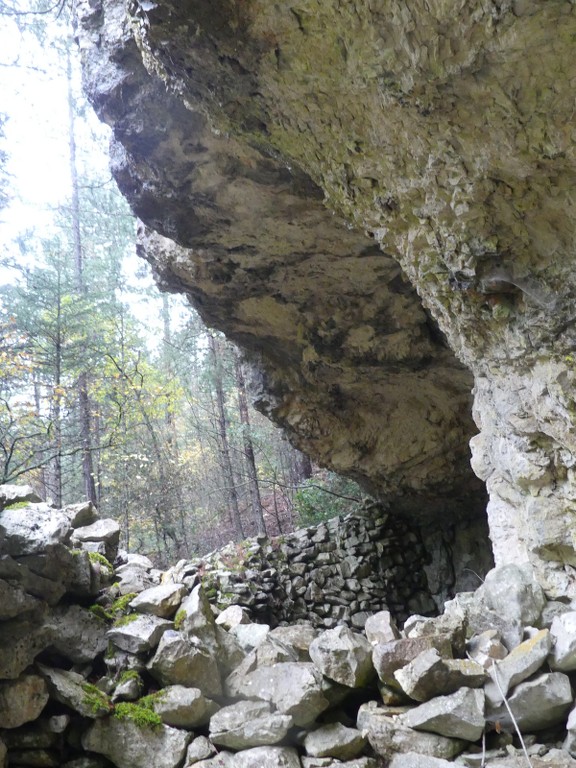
(255,500)
(224,446)
(83,387)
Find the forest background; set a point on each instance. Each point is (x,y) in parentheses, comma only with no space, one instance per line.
(109,390)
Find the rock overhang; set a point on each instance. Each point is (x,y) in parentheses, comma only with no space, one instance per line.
(440,133)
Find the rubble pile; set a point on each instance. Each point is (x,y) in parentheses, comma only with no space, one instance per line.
(130,666)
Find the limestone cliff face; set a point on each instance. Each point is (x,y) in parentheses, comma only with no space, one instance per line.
(287,157)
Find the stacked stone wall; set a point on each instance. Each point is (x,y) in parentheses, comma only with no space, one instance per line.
(338,572)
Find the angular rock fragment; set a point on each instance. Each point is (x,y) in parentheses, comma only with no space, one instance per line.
(335,740)
(32,529)
(343,656)
(390,657)
(512,592)
(563,632)
(381,628)
(389,736)
(22,700)
(248,724)
(250,636)
(141,635)
(106,531)
(459,715)
(199,748)
(518,665)
(271,757)
(294,689)
(297,637)
(178,662)
(429,675)
(536,704)
(77,633)
(17,494)
(75,692)
(232,616)
(161,601)
(414,760)
(183,707)
(127,744)
(486,648)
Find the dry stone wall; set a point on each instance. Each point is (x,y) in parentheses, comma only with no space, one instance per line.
(338,572)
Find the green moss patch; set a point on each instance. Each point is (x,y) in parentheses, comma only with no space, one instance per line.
(96,700)
(139,713)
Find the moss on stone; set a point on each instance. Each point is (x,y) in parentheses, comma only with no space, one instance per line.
(179,618)
(96,557)
(120,605)
(129,674)
(141,714)
(100,612)
(95,699)
(124,620)
(17,505)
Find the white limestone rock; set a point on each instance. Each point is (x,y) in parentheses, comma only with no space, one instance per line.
(199,748)
(221,760)
(248,724)
(563,632)
(293,688)
(536,704)
(335,740)
(32,529)
(381,628)
(127,745)
(486,648)
(414,760)
(270,757)
(71,689)
(161,601)
(388,658)
(344,656)
(77,633)
(183,707)
(297,637)
(389,736)
(520,663)
(459,715)
(250,636)
(141,635)
(512,592)
(17,494)
(233,616)
(179,662)
(429,675)
(22,700)
(133,577)
(104,531)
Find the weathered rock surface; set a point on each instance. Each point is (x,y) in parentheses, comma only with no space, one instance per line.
(126,744)
(440,132)
(328,315)
(248,724)
(343,656)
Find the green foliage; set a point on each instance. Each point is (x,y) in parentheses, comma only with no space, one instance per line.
(127,619)
(140,712)
(179,618)
(96,700)
(130,674)
(17,505)
(120,605)
(327,496)
(100,613)
(96,557)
